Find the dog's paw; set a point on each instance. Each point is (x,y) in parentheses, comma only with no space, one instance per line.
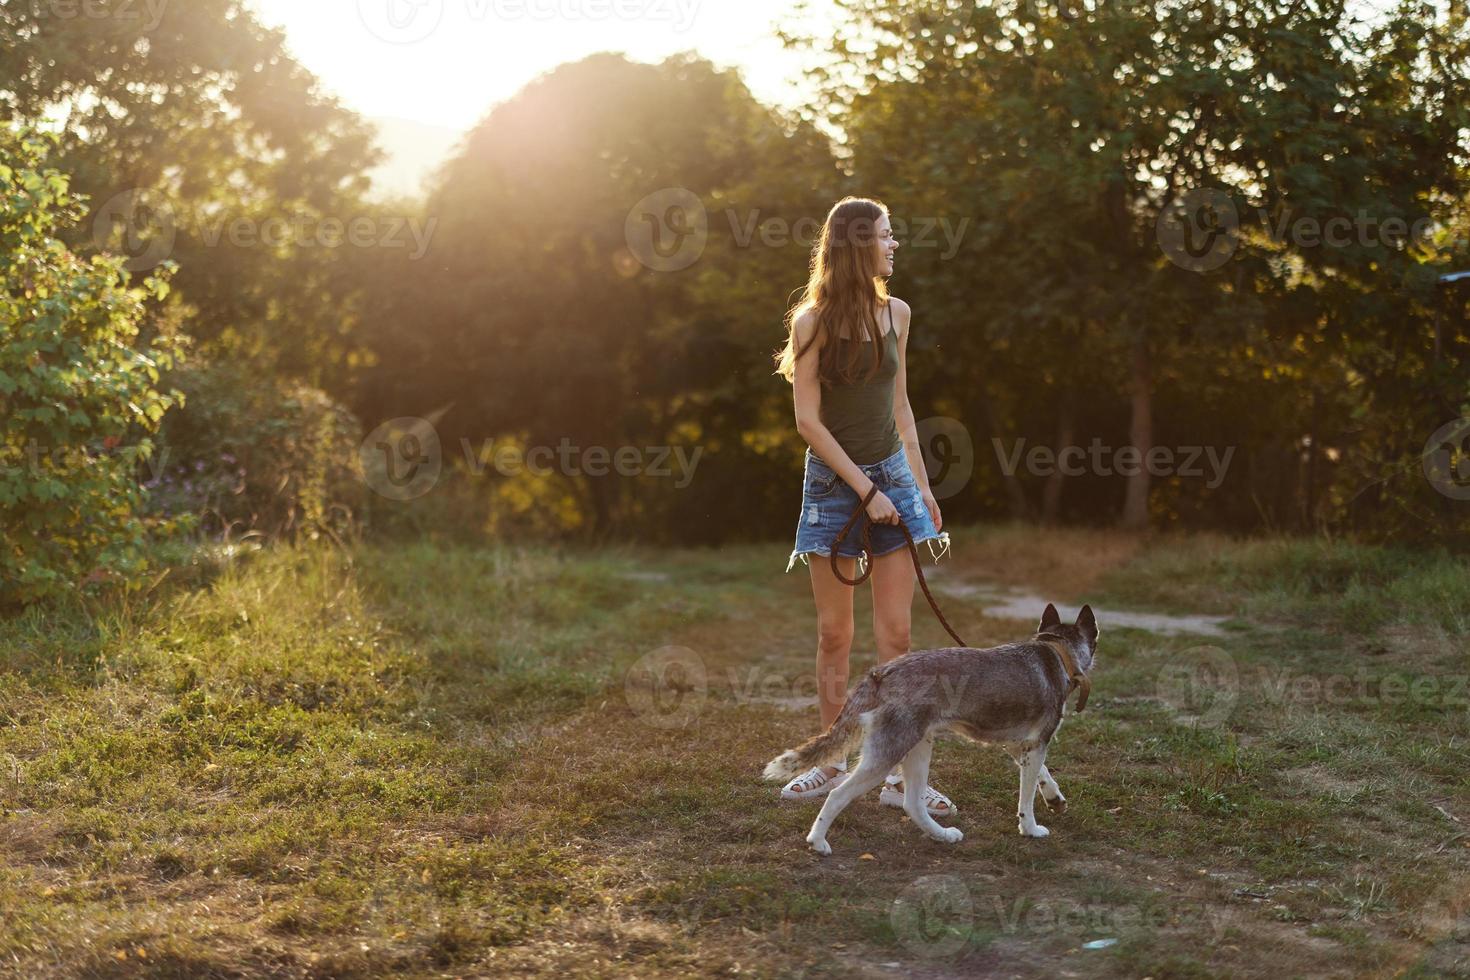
(820,845)
(1035,830)
(950,835)
(1058,805)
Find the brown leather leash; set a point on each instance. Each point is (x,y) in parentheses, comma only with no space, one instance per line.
(868,551)
(1069,665)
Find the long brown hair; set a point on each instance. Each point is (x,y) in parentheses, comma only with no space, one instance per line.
(844,287)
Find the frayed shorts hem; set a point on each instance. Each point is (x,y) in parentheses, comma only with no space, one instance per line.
(942,538)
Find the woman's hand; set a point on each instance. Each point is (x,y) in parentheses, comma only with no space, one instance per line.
(881,509)
(933,506)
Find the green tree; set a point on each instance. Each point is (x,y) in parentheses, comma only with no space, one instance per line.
(196,136)
(1068,131)
(79,394)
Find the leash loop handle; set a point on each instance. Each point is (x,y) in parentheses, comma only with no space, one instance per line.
(867,541)
(868,553)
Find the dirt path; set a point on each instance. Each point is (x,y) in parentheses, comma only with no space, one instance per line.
(1005,603)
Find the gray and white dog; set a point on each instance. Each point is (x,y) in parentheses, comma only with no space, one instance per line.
(1011,695)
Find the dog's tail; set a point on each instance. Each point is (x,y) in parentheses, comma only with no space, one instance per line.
(833,745)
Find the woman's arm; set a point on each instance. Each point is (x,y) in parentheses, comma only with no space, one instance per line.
(903,415)
(807,394)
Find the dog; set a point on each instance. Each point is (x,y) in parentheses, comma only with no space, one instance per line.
(1012,695)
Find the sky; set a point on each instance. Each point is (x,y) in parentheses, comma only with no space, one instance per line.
(447,62)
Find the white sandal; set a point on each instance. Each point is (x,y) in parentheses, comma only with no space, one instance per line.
(817,783)
(932,798)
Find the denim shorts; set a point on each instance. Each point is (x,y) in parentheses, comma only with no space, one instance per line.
(827,502)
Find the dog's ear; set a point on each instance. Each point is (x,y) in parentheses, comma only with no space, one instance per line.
(1087,622)
(1049,618)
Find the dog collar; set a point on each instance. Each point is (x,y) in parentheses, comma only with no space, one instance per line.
(1069,666)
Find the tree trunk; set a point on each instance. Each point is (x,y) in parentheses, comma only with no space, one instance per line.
(597,490)
(1015,493)
(1309,502)
(1141,436)
(1051,493)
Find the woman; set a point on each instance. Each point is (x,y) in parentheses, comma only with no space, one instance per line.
(844,357)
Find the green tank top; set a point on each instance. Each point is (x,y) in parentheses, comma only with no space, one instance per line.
(860,415)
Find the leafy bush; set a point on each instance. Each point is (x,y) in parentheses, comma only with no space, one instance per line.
(254,452)
(79,390)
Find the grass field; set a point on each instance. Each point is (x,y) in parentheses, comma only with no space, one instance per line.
(442,759)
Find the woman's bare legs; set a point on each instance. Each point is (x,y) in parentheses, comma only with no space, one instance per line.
(893,603)
(834,636)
